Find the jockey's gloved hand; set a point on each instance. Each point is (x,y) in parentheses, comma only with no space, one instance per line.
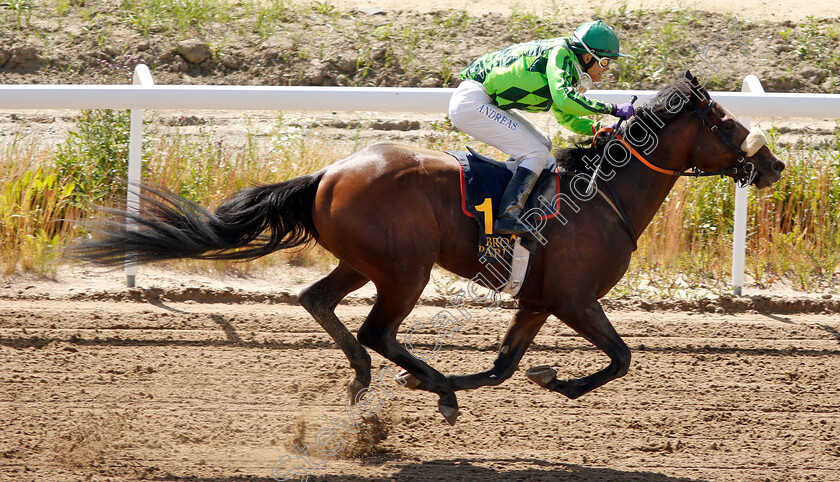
(624,111)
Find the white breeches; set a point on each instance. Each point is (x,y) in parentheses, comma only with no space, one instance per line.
(473,112)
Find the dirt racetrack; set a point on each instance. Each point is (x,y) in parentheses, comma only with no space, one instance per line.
(215,380)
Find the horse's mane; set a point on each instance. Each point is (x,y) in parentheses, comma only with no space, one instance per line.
(572,159)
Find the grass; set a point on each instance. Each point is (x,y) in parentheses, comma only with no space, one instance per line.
(34,207)
(526,25)
(21,12)
(180,16)
(419,50)
(794,226)
(793,234)
(817,43)
(407,47)
(797,223)
(658,51)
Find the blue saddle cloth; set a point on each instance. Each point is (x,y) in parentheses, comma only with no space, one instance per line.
(483,177)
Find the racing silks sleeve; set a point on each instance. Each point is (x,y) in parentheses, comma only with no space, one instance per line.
(568,104)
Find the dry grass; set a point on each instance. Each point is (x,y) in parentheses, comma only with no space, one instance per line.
(34,210)
(793,226)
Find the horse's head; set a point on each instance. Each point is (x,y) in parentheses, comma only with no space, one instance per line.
(727,146)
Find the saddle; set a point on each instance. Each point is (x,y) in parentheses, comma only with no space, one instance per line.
(483,181)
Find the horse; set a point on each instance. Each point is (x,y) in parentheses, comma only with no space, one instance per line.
(391,212)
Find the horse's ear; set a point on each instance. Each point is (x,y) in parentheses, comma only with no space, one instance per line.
(692,80)
(700,94)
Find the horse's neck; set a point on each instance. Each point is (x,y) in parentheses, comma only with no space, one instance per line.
(642,193)
(642,190)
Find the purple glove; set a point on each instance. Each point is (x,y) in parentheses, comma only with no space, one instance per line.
(624,111)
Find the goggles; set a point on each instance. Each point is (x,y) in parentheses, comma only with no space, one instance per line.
(604,62)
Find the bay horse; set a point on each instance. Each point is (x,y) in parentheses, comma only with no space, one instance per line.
(390,212)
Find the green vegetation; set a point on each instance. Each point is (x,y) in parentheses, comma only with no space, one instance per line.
(524,25)
(795,225)
(34,205)
(686,251)
(817,42)
(94,158)
(21,12)
(399,48)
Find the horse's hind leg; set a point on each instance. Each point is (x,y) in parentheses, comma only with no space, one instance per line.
(521,332)
(589,320)
(320,300)
(394,301)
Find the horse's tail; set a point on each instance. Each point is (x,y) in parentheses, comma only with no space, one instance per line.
(252,223)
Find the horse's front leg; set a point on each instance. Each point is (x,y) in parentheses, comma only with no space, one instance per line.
(520,333)
(590,321)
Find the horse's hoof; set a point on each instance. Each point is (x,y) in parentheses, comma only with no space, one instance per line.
(408,380)
(353,389)
(449,413)
(541,375)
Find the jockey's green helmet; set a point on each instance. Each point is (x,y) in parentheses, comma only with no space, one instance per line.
(599,37)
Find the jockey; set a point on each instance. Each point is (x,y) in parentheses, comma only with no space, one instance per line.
(534,76)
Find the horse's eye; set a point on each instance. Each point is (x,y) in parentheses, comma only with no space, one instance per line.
(728,124)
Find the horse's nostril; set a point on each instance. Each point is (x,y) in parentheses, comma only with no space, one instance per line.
(778,166)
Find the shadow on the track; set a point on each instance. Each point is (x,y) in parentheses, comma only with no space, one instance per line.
(831,331)
(464,470)
(230,331)
(233,340)
(41,342)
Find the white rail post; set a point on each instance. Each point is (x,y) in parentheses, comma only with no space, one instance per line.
(141,76)
(739,236)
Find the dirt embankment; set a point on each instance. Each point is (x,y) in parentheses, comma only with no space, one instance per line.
(389,45)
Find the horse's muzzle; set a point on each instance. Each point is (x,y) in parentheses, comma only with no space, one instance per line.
(768,172)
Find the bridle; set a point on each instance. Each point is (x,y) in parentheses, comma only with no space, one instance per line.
(747,168)
(744,169)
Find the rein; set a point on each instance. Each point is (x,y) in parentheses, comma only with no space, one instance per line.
(747,168)
(743,166)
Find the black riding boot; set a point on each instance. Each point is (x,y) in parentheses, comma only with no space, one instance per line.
(513,201)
